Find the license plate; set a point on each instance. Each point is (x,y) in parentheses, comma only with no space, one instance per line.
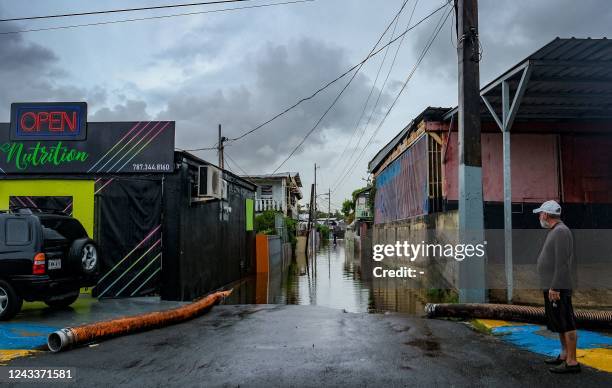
(54,264)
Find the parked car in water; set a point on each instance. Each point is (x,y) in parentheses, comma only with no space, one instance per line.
(44,256)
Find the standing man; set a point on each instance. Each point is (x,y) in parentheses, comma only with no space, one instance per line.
(556,269)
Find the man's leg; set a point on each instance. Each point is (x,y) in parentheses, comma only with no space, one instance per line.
(563,353)
(571,338)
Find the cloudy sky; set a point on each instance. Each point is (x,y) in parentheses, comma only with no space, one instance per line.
(240,68)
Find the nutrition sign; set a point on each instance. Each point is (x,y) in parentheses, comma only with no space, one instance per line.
(56,138)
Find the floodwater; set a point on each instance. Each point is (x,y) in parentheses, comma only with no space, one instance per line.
(334,278)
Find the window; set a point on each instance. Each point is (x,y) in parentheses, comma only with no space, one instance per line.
(68,228)
(17,231)
(266,191)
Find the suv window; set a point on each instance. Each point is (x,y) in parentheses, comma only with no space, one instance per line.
(18,231)
(58,228)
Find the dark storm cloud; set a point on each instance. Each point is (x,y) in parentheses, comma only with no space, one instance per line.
(31,72)
(130,110)
(204,42)
(282,74)
(512,30)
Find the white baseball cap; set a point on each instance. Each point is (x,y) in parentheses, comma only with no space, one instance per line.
(550,207)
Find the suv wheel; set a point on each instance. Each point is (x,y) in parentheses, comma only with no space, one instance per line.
(63,302)
(84,256)
(10,302)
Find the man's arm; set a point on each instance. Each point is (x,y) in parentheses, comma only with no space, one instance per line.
(562,251)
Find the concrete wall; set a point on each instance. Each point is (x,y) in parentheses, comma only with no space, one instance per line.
(434,228)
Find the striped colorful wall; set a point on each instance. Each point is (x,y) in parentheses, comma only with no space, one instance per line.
(401,188)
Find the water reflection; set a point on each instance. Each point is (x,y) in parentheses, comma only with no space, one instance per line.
(336,278)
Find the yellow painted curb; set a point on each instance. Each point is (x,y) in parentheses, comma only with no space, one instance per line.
(8,355)
(493,323)
(599,358)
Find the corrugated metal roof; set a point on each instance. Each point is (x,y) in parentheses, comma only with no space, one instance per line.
(569,79)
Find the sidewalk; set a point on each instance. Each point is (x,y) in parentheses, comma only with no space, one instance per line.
(27,333)
(594,349)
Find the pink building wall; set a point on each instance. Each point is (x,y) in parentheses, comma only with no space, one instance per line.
(535,175)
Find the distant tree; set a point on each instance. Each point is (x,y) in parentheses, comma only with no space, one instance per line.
(348,206)
(264,222)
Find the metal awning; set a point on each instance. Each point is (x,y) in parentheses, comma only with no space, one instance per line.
(567,79)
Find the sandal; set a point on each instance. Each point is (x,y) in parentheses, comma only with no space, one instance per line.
(554,361)
(564,368)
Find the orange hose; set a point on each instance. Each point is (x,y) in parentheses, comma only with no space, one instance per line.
(69,337)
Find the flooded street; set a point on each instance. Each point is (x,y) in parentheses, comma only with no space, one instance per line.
(334,278)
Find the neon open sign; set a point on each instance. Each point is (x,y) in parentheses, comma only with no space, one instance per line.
(49,121)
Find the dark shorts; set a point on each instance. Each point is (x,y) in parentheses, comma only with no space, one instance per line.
(560,314)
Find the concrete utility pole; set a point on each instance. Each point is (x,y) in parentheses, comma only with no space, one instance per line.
(220,148)
(471,212)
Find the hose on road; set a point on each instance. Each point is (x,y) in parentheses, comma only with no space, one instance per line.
(73,336)
(506,312)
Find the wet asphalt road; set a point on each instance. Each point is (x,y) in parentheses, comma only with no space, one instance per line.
(280,345)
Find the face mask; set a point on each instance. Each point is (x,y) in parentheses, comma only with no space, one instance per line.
(544,224)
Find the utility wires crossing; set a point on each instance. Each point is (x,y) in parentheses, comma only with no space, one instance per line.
(358,68)
(433,37)
(101,23)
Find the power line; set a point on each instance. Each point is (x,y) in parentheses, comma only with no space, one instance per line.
(202,149)
(382,63)
(339,77)
(229,168)
(399,46)
(235,163)
(341,91)
(348,162)
(437,30)
(439,26)
(152,17)
(345,87)
(120,10)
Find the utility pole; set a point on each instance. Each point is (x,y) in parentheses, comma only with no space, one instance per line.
(471,212)
(220,148)
(328,204)
(315,193)
(309,227)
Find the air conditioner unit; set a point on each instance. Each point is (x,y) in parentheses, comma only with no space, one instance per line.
(210,182)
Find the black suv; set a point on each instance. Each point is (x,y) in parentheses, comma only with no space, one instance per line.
(44,256)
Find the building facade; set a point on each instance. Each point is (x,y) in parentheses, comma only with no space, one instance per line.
(278,192)
(136,196)
(557,149)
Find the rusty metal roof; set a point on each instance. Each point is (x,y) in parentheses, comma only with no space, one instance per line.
(428,114)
